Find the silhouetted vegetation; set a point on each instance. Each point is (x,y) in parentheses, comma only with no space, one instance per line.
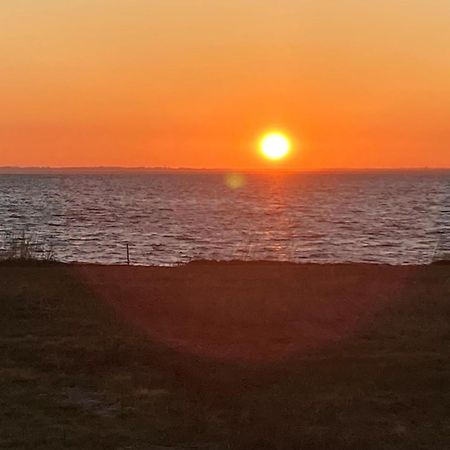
(24,248)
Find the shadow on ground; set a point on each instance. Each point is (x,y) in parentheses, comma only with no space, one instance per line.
(220,356)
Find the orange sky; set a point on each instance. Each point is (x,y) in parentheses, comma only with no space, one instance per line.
(192,83)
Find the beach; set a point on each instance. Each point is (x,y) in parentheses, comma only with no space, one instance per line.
(216,355)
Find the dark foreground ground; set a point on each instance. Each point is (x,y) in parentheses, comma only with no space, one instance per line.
(225,356)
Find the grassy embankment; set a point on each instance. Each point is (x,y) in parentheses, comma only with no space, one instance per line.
(130,358)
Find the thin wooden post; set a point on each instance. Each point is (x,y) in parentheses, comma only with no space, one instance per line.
(128,254)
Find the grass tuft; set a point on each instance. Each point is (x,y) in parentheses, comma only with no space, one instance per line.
(23,248)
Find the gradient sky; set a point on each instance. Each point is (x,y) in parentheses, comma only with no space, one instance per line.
(193,83)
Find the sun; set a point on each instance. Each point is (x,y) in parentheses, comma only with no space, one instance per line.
(275,145)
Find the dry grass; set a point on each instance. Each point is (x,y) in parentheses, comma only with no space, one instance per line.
(77,373)
(24,248)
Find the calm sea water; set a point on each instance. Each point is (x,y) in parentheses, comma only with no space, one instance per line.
(170,218)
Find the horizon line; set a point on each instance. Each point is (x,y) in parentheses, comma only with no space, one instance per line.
(212,169)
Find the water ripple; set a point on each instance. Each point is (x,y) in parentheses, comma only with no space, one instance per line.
(390,217)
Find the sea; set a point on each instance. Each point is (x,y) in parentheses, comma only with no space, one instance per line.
(174,217)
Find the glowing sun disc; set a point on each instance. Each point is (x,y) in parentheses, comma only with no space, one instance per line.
(275,146)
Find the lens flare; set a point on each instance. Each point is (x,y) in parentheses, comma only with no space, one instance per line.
(234,180)
(275,146)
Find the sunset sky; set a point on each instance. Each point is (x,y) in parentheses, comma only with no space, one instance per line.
(195,83)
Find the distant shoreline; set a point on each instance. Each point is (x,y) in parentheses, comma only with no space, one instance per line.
(169,170)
